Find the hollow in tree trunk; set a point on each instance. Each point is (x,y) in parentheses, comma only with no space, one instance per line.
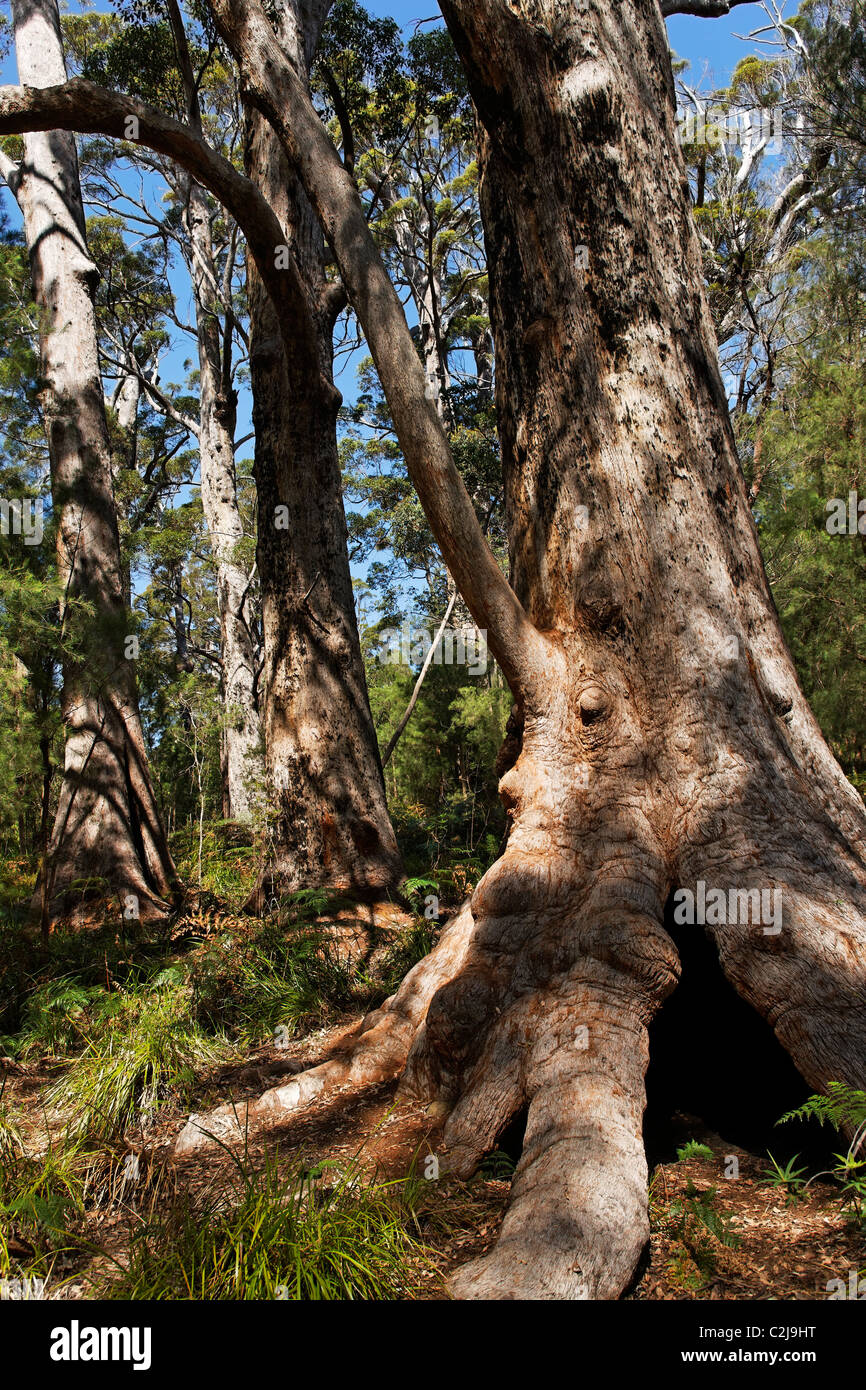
(664,741)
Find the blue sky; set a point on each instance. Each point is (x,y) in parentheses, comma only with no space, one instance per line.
(709,41)
(710,46)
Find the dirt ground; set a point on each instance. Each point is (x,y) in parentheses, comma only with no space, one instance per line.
(771,1247)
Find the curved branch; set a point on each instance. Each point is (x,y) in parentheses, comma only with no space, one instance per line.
(83,106)
(272,86)
(702,9)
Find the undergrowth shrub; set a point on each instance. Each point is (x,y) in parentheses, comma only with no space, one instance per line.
(844,1109)
(323,1234)
(143,1049)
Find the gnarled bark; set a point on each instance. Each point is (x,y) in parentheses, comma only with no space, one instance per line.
(664,736)
(664,739)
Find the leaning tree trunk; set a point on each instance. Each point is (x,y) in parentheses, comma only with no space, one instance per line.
(665,740)
(107,835)
(330,825)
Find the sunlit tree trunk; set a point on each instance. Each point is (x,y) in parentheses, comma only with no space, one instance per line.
(107,837)
(241,731)
(663,738)
(330,825)
(662,744)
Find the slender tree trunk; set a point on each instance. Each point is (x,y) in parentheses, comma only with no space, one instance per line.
(664,740)
(183,660)
(107,833)
(416,690)
(241,732)
(217,417)
(426,290)
(326,790)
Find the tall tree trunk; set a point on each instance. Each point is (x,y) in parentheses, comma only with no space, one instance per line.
(107,833)
(665,741)
(125,404)
(217,417)
(330,823)
(425,287)
(241,732)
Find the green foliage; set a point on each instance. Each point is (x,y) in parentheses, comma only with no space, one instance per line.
(786,1176)
(412,945)
(271,981)
(700,1227)
(41,1201)
(693,1150)
(320,1234)
(850,1171)
(843,1107)
(58,1016)
(142,1049)
(498,1165)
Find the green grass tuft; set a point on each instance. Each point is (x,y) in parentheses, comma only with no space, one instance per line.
(321,1234)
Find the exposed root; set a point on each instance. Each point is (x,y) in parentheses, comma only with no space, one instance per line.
(577,1219)
(379,1052)
(574,1051)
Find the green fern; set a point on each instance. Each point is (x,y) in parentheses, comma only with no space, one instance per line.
(841,1107)
(693,1150)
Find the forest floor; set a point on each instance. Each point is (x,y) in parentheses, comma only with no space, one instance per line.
(713,1237)
(186,1017)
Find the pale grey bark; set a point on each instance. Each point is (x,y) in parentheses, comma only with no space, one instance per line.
(241,733)
(107,838)
(217,415)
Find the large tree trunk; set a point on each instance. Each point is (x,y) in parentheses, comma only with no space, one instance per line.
(107,835)
(329,818)
(664,739)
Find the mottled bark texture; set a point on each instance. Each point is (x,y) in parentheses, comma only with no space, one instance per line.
(241,732)
(107,839)
(665,739)
(328,818)
(330,825)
